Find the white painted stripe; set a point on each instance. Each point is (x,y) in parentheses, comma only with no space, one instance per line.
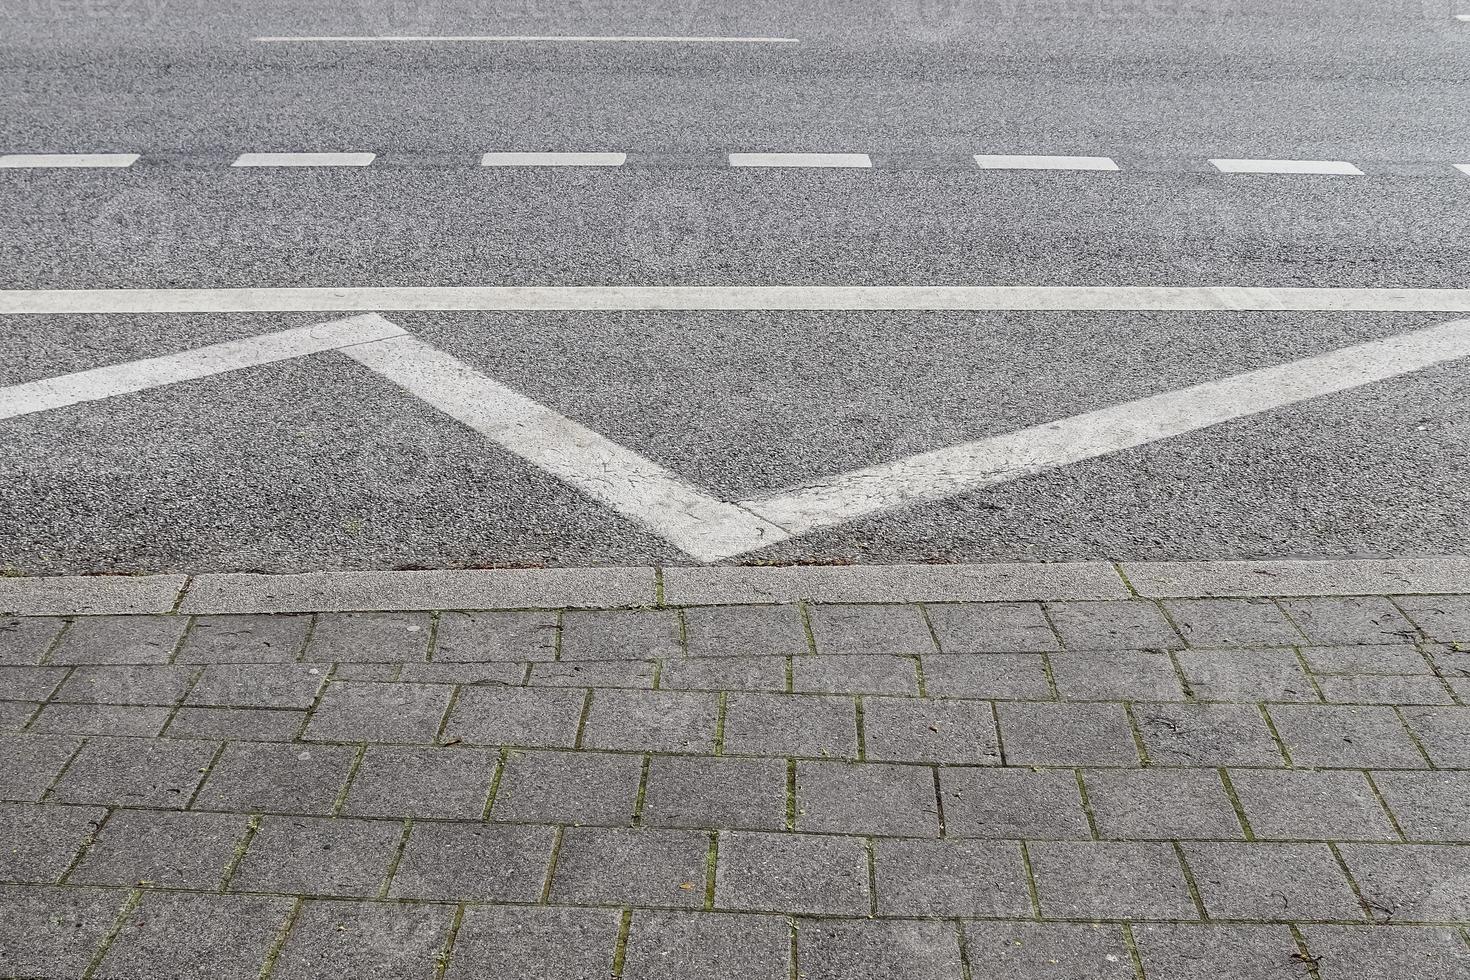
(800,160)
(352,299)
(553,159)
(42,161)
(1462,16)
(1339,167)
(203,362)
(986,462)
(519,38)
(635,487)
(1005,161)
(1464,168)
(304,160)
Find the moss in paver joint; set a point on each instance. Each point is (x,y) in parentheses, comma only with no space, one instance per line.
(1413,736)
(1086,805)
(642,796)
(280,941)
(1132,944)
(396,859)
(939,801)
(495,783)
(1234,798)
(720,722)
(341,802)
(790,794)
(1000,738)
(1137,732)
(1275,735)
(1305,954)
(1369,909)
(252,826)
(793,953)
(967,972)
(1190,883)
(805,609)
(1393,820)
(134,897)
(1030,873)
(862,747)
(872,852)
(582,718)
(711,866)
(620,949)
(441,960)
(551,865)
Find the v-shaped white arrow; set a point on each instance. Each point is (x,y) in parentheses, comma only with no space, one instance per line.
(704,526)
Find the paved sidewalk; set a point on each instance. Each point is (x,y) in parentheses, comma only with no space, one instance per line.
(1179,772)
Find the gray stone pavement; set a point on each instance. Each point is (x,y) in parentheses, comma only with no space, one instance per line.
(964,777)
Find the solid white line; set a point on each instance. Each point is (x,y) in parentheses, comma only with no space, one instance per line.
(1464,168)
(1339,167)
(1004,161)
(553,159)
(386,299)
(517,38)
(190,365)
(304,160)
(800,160)
(42,161)
(985,462)
(1462,16)
(635,487)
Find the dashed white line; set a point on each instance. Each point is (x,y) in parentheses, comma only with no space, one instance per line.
(553,159)
(46,161)
(1339,167)
(531,38)
(1021,161)
(386,299)
(304,159)
(203,362)
(855,160)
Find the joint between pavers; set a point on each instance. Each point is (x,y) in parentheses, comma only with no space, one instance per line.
(862,747)
(556,839)
(582,718)
(441,959)
(711,869)
(721,705)
(1087,810)
(1276,735)
(1137,731)
(66,625)
(205,772)
(1413,736)
(1122,574)
(620,945)
(1031,890)
(1368,907)
(1234,798)
(340,803)
(280,940)
(61,773)
(1189,882)
(871,850)
(397,858)
(791,794)
(129,905)
(500,763)
(1133,954)
(804,609)
(1311,675)
(793,952)
(87,844)
(939,802)
(1307,959)
(1393,819)
(251,827)
(1000,744)
(642,796)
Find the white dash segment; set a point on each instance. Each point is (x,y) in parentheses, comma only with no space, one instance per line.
(1465,17)
(50,161)
(1464,168)
(1000,459)
(854,160)
(304,159)
(523,38)
(634,486)
(1338,167)
(553,159)
(191,365)
(1013,161)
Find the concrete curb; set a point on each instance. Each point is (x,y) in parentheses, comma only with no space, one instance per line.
(606,588)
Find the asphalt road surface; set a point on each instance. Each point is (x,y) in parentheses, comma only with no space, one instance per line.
(319,462)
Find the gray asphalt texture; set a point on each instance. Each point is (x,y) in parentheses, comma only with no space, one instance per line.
(318,463)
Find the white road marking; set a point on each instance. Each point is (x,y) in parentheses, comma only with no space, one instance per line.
(44,161)
(553,159)
(1464,168)
(986,462)
(389,299)
(1462,16)
(304,160)
(706,527)
(1007,161)
(635,487)
(518,38)
(203,362)
(800,160)
(1339,167)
